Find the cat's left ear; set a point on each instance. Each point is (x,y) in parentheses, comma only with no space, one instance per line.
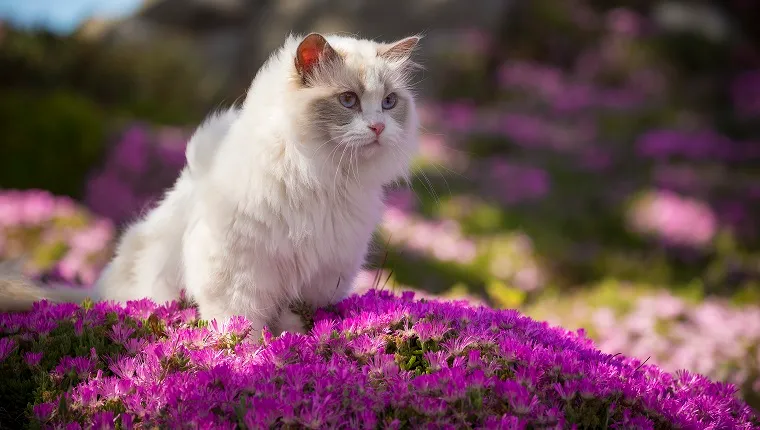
(400,50)
(312,51)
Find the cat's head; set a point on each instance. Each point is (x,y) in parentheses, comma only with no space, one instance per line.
(357,102)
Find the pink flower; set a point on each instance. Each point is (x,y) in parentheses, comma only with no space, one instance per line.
(459,116)
(110,196)
(526,76)
(745,90)
(43,411)
(675,219)
(525,130)
(32,358)
(94,238)
(402,199)
(516,183)
(624,21)
(477,41)
(131,152)
(37,207)
(7,345)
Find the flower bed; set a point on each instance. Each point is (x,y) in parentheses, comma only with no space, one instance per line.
(375,360)
(53,235)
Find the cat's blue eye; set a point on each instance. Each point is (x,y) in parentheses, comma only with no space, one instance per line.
(389,102)
(348,99)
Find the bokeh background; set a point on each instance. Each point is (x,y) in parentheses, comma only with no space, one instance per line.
(595,164)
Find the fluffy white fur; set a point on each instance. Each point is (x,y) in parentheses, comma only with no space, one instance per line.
(273,205)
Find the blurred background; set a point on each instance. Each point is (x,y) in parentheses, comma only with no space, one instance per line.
(595,164)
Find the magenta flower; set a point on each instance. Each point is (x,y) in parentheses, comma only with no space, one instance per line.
(430,330)
(7,345)
(32,358)
(745,91)
(371,360)
(43,411)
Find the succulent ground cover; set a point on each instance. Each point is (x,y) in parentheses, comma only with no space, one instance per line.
(376,360)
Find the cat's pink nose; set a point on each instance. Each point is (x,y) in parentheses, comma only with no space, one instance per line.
(377,127)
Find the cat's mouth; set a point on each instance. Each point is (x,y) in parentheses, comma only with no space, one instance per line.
(370,148)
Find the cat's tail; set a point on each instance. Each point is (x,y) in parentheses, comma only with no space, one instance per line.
(19,292)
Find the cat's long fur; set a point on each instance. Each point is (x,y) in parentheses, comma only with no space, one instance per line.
(279,198)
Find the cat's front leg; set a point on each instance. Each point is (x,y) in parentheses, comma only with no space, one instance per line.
(224,285)
(259,311)
(330,286)
(327,288)
(290,321)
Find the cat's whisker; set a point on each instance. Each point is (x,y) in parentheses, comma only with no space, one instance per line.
(330,157)
(355,155)
(325,143)
(407,179)
(337,169)
(445,181)
(421,173)
(426,181)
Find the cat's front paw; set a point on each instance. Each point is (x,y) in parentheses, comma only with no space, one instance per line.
(290,322)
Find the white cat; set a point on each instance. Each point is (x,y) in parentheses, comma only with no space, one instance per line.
(280,197)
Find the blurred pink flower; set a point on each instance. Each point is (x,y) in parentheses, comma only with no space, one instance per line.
(745,91)
(596,159)
(441,240)
(433,148)
(95,237)
(109,196)
(72,265)
(677,178)
(704,144)
(575,97)
(515,183)
(713,337)
(753,191)
(733,212)
(402,199)
(546,80)
(528,278)
(674,219)
(140,167)
(45,222)
(37,207)
(619,98)
(624,21)
(477,41)
(131,152)
(427,113)
(650,81)
(10,212)
(459,116)
(524,129)
(588,64)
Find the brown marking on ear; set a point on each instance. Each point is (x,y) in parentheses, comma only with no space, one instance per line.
(312,51)
(400,50)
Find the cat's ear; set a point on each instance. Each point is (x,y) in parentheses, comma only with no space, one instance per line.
(312,51)
(400,50)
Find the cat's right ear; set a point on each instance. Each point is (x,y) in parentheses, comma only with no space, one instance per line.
(401,49)
(311,52)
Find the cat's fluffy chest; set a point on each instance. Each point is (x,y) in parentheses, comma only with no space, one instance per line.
(295,240)
(332,230)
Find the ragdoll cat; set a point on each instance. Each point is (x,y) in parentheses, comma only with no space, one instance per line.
(280,197)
